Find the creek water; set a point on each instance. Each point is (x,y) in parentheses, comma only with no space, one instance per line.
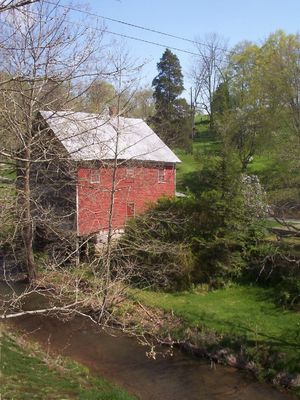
(123,360)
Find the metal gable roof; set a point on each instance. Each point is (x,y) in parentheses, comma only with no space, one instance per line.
(92,137)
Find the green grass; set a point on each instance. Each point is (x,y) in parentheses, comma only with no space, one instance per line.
(204,144)
(246,312)
(188,163)
(25,375)
(261,164)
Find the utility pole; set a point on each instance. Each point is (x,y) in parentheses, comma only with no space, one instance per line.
(192,114)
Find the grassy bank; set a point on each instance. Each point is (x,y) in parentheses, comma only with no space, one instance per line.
(203,144)
(28,373)
(243,317)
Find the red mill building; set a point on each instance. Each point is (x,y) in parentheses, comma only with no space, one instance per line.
(89,158)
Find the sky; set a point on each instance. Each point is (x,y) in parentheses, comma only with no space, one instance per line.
(234,20)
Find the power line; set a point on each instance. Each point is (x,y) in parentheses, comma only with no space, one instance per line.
(150,42)
(125,23)
(117,33)
(138,27)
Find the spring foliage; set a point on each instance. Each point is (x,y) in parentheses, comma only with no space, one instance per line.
(197,239)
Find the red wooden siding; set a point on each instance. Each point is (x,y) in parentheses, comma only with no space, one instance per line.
(136,188)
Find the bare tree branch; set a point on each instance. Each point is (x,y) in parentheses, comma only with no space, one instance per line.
(6,5)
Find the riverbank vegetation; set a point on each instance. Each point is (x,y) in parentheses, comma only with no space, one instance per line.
(27,372)
(233,285)
(245,319)
(242,325)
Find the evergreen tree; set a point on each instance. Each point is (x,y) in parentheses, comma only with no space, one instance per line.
(171,119)
(222,101)
(168,84)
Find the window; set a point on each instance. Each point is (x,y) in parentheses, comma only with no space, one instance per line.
(95,176)
(130,210)
(130,173)
(161,175)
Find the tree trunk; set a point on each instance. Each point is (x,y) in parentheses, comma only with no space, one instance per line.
(27,229)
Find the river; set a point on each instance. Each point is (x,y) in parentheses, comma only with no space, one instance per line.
(122,360)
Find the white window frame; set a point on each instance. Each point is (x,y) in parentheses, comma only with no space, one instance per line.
(161,175)
(128,204)
(95,176)
(130,172)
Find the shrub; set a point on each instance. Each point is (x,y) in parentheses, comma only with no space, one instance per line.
(217,262)
(203,238)
(154,251)
(275,265)
(182,241)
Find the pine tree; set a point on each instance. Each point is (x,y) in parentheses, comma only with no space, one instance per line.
(171,119)
(168,83)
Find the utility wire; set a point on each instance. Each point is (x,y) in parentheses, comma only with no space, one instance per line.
(94,28)
(120,34)
(150,42)
(137,27)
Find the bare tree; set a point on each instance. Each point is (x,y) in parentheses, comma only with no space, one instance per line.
(44,57)
(6,5)
(207,72)
(41,76)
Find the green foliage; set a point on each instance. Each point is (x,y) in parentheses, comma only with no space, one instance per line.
(218,261)
(265,120)
(228,223)
(142,104)
(7,204)
(154,250)
(172,119)
(99,95)
(256,130)
(222,101)
(168,84)
(204,148)
(289,291)
(275,265)
(208,234)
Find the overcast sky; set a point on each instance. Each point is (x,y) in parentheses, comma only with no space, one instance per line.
(235,20)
